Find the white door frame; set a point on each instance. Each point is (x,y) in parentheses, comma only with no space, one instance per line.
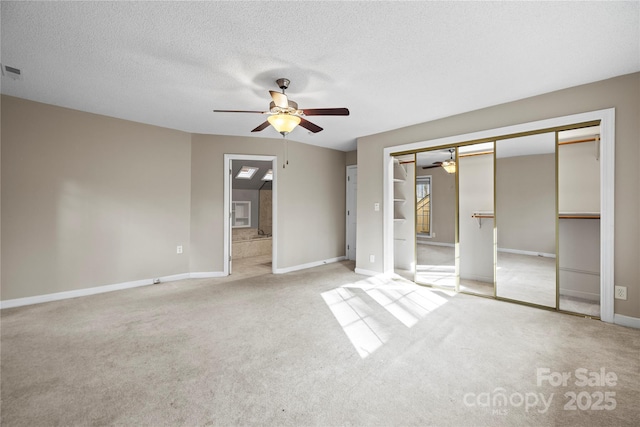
(350,168)
(228,158)
(607,185)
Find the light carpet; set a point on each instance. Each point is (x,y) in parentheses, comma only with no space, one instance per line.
(323,346)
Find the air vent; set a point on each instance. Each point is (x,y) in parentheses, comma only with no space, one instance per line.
(11,72)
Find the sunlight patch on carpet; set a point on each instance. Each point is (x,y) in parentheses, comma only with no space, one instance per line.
(438,275)
(404,300)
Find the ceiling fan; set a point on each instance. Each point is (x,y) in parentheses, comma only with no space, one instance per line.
(284,114)
(448,165)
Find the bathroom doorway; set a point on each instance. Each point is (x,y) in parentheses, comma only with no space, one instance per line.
(250,225)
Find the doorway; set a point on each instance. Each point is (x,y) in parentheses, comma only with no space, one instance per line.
(250,200)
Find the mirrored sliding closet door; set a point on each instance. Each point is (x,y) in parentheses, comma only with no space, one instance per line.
(516,219)
(579,220)
(476,220)
(435,211)
(525,215)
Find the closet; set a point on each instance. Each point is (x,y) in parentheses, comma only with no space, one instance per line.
(516,218)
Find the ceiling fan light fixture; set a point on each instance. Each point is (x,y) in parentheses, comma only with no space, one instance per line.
(284,123)
(285,114)
(449,166)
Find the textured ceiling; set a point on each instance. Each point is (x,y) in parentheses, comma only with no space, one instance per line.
(392,64)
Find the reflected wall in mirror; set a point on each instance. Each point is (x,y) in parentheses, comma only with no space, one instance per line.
(476,222)
(579,220)
(525,191)
(435,205)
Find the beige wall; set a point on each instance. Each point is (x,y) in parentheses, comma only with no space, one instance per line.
(526,202)
(622,93)
(310,200)
(475,176)
(351,158)
(89,200)
(578,178)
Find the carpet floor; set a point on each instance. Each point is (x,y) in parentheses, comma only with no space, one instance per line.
(323,346)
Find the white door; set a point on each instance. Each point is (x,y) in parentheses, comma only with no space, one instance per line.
(352,199)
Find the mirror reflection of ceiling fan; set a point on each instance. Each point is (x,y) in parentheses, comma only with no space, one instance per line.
(448,165)
(284,114)
(432,165)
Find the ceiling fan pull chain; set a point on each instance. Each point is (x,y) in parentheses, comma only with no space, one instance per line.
(284,152)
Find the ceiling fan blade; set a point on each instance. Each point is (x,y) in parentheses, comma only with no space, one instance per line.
(433,165)
(309,126)
(239,111)
(280,99)
(326,111)
(263,126)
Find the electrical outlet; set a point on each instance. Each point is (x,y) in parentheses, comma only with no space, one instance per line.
(372,258)
(620,292)
(179,250)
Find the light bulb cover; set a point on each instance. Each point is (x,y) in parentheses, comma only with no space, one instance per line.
(284,123)
(449,166)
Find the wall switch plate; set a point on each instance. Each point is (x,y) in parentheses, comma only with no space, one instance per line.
(179,250)
(620,292)
(372,258)
(376,207)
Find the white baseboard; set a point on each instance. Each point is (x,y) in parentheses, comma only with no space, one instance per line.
(38,299)
(366,272)
(532,253)
(511,251)
(478,278)
(631,322)
(580,294)
(207,275)
(309,265)
(174,277)
(424,242)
